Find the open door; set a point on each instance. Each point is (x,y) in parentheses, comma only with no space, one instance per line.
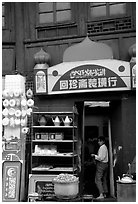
(94,121)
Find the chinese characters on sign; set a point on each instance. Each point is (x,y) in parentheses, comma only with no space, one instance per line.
(88,79)
(88,83)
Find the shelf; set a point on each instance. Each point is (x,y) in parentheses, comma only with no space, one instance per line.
(60,141)
(54,155)
(60,169)
(53,127)
(64,138)
(49,113)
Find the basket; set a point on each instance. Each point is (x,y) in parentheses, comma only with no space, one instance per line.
(66,190)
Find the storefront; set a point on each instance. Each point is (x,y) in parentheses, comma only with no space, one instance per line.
(76,100)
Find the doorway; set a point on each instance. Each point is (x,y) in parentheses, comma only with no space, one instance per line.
(95,123)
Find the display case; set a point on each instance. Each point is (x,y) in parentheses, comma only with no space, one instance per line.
(54,143)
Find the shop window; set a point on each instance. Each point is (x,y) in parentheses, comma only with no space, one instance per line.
(54,12)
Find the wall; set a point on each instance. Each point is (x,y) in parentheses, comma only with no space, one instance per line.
(128,130)
(20,41)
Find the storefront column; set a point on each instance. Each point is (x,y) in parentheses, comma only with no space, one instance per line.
(19,37)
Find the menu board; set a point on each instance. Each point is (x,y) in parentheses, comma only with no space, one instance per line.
(11,181)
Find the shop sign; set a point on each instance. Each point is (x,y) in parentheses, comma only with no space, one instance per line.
(42,184)
(40,82)
(133,74)
(11,181)
(91,77)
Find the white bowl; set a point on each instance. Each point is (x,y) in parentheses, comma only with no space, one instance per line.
(17,113)
(23,113)
(29,93)
(25,130)
(12,102)
(12,122)
(29,111)
(11,94)
(5,121)
(5,112)
(18,102)
(23,122)
(5,94)
(23,102)
(17,121)
(16,93)
(11,111)
(30,102)
(6,103)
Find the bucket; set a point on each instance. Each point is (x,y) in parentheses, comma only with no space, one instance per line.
(126,192)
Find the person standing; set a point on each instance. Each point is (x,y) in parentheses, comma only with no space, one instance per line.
(101,168)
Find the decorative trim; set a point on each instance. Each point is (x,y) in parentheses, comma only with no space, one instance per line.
(110,25)
(56,31)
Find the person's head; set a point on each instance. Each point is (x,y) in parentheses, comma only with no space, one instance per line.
(101,140)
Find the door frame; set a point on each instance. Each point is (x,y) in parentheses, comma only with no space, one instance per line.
(82,135)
